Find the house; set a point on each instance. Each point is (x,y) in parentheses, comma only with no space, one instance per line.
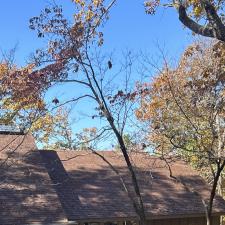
(78,187)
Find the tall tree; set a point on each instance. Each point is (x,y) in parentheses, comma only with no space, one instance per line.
(69,58)
(184,108)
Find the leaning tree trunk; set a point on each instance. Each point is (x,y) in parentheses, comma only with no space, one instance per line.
(209,207)
(221,140)
(138,204)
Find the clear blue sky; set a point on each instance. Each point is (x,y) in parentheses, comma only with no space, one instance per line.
(128,28)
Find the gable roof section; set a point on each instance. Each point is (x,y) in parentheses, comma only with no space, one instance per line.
(90,191)
(26,192)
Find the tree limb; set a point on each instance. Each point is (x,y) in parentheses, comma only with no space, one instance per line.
(192,25)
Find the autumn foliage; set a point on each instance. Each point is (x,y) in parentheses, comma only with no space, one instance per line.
(184,106)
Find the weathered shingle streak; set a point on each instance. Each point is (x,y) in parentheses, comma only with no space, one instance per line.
(26,191)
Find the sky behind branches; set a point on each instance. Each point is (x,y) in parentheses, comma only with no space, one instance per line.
(128,28)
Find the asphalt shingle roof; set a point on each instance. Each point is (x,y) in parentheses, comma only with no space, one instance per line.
(89,190)
(26,191)
(56,186)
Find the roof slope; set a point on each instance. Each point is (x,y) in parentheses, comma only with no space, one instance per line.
(26,192)
(89,190)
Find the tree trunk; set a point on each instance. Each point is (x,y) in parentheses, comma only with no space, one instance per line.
(220,186)
(208,218)
(138,205)
(99,97)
